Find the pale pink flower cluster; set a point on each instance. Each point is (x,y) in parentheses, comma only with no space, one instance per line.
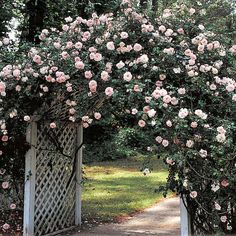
(200,114)
(220,137)
(183,113)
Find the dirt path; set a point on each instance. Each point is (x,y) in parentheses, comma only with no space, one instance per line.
(163,219)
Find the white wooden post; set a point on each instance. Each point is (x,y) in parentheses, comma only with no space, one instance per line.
(78,176)
(29,195)
(184,219)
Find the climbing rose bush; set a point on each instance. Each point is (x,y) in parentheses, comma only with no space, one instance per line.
(169,74)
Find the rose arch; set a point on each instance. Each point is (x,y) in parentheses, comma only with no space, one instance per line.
(170,75)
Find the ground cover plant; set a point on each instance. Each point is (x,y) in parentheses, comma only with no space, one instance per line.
(170,74)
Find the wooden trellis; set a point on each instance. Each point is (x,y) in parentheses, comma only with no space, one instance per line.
(52,201)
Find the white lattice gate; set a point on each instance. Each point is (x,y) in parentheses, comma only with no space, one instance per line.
(53,179)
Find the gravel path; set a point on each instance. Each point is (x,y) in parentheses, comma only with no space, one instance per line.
(163,219)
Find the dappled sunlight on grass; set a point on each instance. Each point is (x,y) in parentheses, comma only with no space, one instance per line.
(119,188)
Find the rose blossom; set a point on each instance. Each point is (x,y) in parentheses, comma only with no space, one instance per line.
(97,115)
(220,138)
(162,28)
(109,91)
(189,143)
(88,74)
(221,130)
(203,153)
(193,194)
(167,99)
(194,124)
(4,138)
(6,226)
(223,219)
(151,113)
(110,46)
(104,76)
(169,123)
(2,87)
(120,65)
(134,111)
(124,35)
(37,59)
(136,88)
(53,125)
(137,47)
(127,76)
(26,118)
(224,183)
(13,206)
(79,65)
(165,142)
(5,185)
(158,139)
(141,123)
(183,112)
(97,57)
(181,91)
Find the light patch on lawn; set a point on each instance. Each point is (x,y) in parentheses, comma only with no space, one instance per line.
(119,188)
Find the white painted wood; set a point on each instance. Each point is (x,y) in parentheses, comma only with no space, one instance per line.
(79,176)
(30,169)
(184,220)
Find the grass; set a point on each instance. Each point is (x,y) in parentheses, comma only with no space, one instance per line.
(118,188)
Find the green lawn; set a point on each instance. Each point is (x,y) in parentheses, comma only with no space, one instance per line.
(118,188)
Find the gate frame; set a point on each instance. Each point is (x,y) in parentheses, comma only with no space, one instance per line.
(30,175)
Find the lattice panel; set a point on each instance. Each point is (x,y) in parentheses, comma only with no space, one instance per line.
(54,201)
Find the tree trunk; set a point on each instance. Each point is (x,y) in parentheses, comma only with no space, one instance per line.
(35,13)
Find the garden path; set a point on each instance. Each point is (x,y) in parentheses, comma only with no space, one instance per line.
(163,219)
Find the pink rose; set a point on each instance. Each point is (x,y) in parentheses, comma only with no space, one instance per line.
(6,226)
(97,57)
(4,138)
(53,125)
(78,45)
(5,185)
(151,113)
(162,28)
(2,87)
(109,91)
(127,76)
(223,219)
(194,124)
(167,99)
(110,46)
(79,65)
(165,142)
(124,35)
(192,11)
(120,65)
(141,123)
(137,47)
(136,88)
(13,206)
(104,76)
(193,194)
(97,115)
(16,72)
(37,59)
(88,74)
(158,139)
(180,31)
(224,183)
(57,45)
